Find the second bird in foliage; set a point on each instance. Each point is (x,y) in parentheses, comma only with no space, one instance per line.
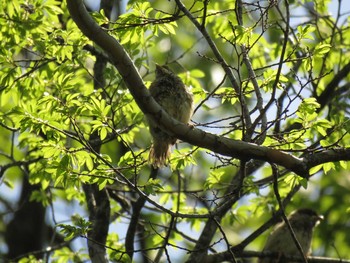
(281,242)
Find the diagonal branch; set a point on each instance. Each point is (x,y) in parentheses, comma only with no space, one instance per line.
(221,60)
(221,145)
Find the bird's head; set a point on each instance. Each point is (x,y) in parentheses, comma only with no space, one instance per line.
(305,216)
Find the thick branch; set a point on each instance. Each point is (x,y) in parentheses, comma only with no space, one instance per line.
(333,155)
(329,91)
(221,145)
(99,211)
(134,221)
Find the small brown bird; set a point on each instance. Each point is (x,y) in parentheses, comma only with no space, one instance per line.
(280,241)
(175,98)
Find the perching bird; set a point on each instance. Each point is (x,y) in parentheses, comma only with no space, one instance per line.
(280,241)
(175,98)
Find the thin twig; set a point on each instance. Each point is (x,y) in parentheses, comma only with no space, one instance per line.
(280,203)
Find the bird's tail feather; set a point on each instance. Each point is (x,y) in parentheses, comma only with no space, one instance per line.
(159,153)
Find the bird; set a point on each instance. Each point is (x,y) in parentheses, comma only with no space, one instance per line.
(176,99)
(280,241)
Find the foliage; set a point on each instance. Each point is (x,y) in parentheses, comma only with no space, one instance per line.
(283,83)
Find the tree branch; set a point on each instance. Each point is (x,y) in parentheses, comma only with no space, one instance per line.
(326,156)
(225,66)
(221,145)
(99,213)
(134,221)
(285,219)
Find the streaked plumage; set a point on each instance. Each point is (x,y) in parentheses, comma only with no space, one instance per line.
(175,98)
(302,222)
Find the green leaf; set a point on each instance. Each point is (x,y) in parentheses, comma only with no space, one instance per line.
(152,186)
(214,179)
(197,73)
(321,49)
(8,183)
(304,32)
(304,183)
(328,167)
